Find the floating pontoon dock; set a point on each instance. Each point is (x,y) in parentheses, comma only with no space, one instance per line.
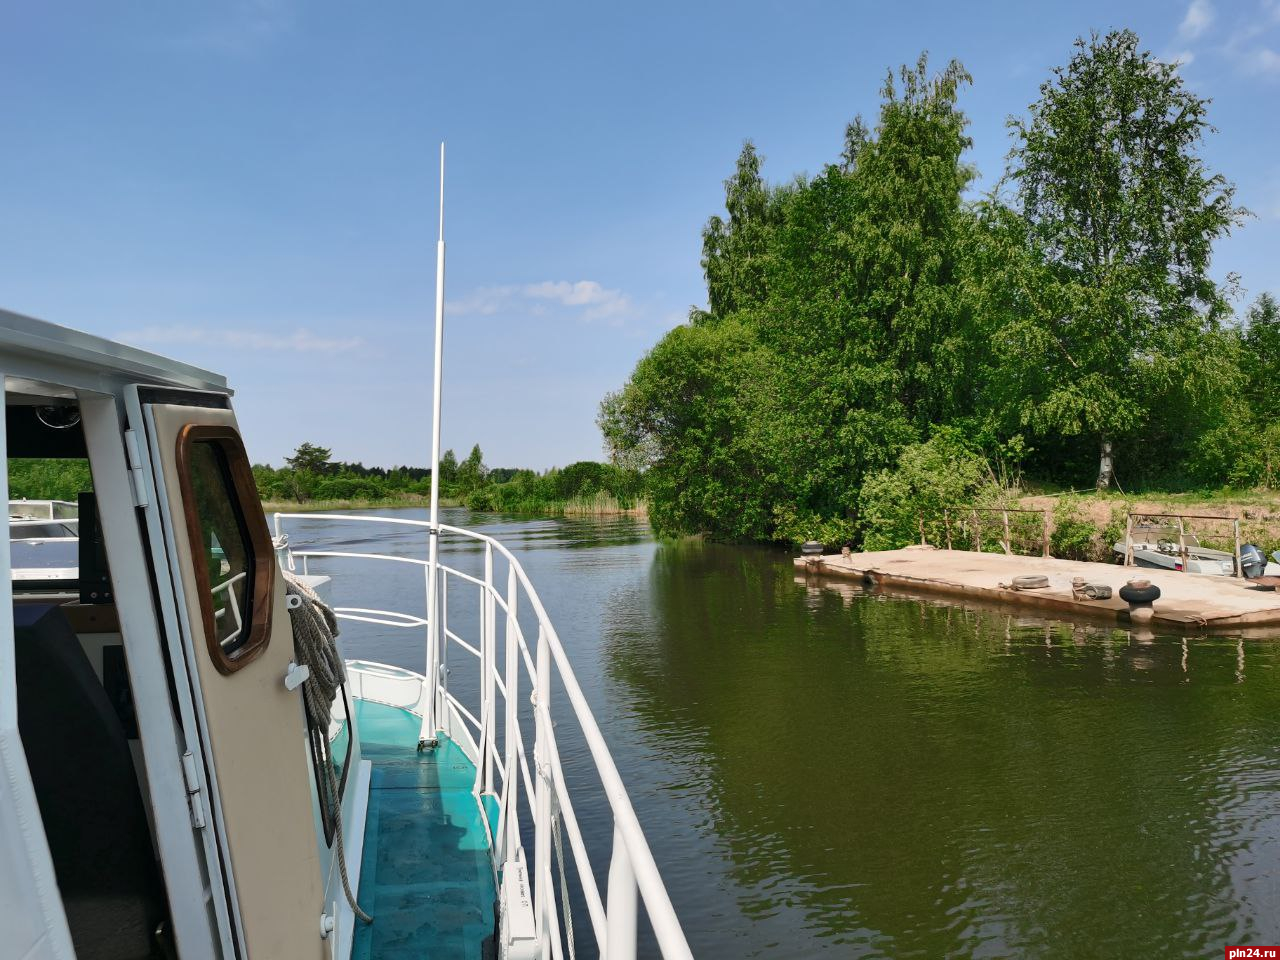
(1188,601)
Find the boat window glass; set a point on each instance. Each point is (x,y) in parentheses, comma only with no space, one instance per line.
(43,518)
(35,530)
(231,549)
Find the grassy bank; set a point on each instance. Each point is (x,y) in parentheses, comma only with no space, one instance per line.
(597,505)
(1085,526)
(323,506)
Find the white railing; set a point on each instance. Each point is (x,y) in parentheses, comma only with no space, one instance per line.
(503,770)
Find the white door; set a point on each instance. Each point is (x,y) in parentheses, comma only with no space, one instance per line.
(239,643)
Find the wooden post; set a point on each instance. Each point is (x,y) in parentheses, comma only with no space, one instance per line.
(1182,544)
(977,534)
(1239,560)
(1046,533)
(1128,539)
(946,519)
(920,517)
(1008,545)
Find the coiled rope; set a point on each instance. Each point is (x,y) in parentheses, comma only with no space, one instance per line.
(315,633)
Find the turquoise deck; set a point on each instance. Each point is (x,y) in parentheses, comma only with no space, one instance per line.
(425,875)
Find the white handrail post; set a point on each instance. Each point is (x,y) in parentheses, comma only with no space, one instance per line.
(428,731)
(620,924)
(489,610)
(511,733)
(542,785)
(442,638)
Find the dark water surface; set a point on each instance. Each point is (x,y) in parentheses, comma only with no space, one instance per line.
(828,772)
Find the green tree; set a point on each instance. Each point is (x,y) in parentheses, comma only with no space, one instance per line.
(48,479)
(735,251)
(1242,446)
(448,469)
(1261,356)
(698,412)
(471,472)
(1121,216)
(309,458)
(848,337)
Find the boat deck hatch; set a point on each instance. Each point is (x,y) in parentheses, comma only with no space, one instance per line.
(425,876)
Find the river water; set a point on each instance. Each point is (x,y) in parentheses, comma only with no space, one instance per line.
(824,771)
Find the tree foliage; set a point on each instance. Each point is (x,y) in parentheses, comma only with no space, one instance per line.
(508,489)
(943,472)
(42,478)
(309,458)
(1120,215)
(1260,359)
(864,312)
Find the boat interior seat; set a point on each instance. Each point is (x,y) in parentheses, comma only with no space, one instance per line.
(83,774)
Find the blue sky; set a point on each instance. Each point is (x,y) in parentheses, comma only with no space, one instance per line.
(251,185)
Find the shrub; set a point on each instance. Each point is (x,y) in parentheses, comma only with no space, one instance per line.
(1074,536)
(797,527)
(1232,452)
(942,472)
(1114,531)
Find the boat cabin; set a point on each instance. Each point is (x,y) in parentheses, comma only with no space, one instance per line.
(188,767)
(160,780)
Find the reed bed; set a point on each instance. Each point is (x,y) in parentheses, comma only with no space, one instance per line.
(602,504)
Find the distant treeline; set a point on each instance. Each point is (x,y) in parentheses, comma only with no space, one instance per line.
(45,479)
(876,336)
(587,486)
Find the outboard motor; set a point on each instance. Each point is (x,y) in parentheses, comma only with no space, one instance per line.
(1252,561)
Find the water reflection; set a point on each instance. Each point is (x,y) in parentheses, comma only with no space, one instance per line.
(915,778)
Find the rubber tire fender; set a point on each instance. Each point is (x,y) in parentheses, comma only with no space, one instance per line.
(1131,594)
(1032,581)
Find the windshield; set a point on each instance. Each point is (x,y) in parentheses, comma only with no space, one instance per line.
(27,530)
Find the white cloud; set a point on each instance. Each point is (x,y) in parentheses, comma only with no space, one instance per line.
(1197,20)
(300,340)
(1263,60)
(596,302)
(1183,58)
(599,301)
(1240,49)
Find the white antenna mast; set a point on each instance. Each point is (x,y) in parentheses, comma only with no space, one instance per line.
(429,725)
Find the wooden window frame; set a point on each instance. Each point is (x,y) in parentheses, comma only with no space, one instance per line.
(247,504)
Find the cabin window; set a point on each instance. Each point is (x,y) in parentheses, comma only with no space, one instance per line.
(231,548)
(44,497)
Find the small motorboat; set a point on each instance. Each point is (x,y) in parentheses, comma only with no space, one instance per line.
(1167,548)
(43,551)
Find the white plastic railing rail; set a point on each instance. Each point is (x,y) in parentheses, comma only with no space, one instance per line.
(503,769)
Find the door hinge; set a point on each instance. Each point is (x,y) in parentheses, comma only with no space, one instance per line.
(137,483)
(191,774)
